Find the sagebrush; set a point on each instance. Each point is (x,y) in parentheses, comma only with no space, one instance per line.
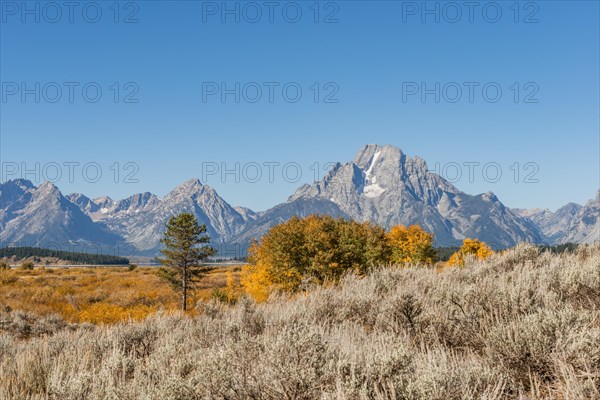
(518,325)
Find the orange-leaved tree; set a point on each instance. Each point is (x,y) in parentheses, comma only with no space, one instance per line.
(316,248)
(470,247)
(410,244)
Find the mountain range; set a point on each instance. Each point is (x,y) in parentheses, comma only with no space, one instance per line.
(382,185)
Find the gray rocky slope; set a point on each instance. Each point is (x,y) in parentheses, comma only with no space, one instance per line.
(382,185)
(571,223)
(385,186)
(42,216)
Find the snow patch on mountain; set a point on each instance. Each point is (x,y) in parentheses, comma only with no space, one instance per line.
(381,185)
(371,188)
(385,186)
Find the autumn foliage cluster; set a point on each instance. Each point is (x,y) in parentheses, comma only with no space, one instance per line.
(410,244)
(320,249)
(471,248)
(316,248)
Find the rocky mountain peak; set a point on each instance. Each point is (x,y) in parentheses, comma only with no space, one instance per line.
(371,153)
(104,202)
(136,203)
(24,184)
(186,190)
(43,215)
(570,209)
(47,191)
(489,196)
(12,190)
(191,186)
(381,185)
(86,204)
(384,185)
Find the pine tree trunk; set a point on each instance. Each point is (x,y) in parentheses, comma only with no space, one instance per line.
(184,292)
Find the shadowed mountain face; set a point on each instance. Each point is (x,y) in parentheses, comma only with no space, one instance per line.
(382,185)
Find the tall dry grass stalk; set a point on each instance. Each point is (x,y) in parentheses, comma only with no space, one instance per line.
(519,325)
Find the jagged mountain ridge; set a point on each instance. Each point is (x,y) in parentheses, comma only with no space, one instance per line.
(571,223)
(140,219)
(381,185)
(42,216)
(384,185)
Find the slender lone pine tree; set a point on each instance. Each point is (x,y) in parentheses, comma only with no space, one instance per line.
(183,256)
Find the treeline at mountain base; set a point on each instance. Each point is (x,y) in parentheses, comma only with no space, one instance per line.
(38,253)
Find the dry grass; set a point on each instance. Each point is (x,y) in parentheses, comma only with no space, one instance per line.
(96,295)
(518,326)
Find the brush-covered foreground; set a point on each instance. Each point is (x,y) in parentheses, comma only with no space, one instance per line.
(519,325)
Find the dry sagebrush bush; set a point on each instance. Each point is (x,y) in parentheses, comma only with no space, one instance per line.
(518,325)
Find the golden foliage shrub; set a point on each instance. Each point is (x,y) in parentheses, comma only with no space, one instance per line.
(315,249)
(320,249)
(410,244)
(470,248)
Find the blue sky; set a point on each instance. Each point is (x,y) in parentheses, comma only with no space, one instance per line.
(542,133)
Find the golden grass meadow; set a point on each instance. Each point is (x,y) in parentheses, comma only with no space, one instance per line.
(98,295)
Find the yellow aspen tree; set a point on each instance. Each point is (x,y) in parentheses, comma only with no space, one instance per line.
(410,244)
(473,247)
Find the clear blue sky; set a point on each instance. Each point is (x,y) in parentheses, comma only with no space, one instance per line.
(369,54)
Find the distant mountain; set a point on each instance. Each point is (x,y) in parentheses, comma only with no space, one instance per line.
(382,185)
(41,216)
(140,219)
(282,212)
(247,214)
(571,223)
(104,208)
(86,204)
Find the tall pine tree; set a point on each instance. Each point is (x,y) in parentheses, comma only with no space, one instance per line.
(185,250)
